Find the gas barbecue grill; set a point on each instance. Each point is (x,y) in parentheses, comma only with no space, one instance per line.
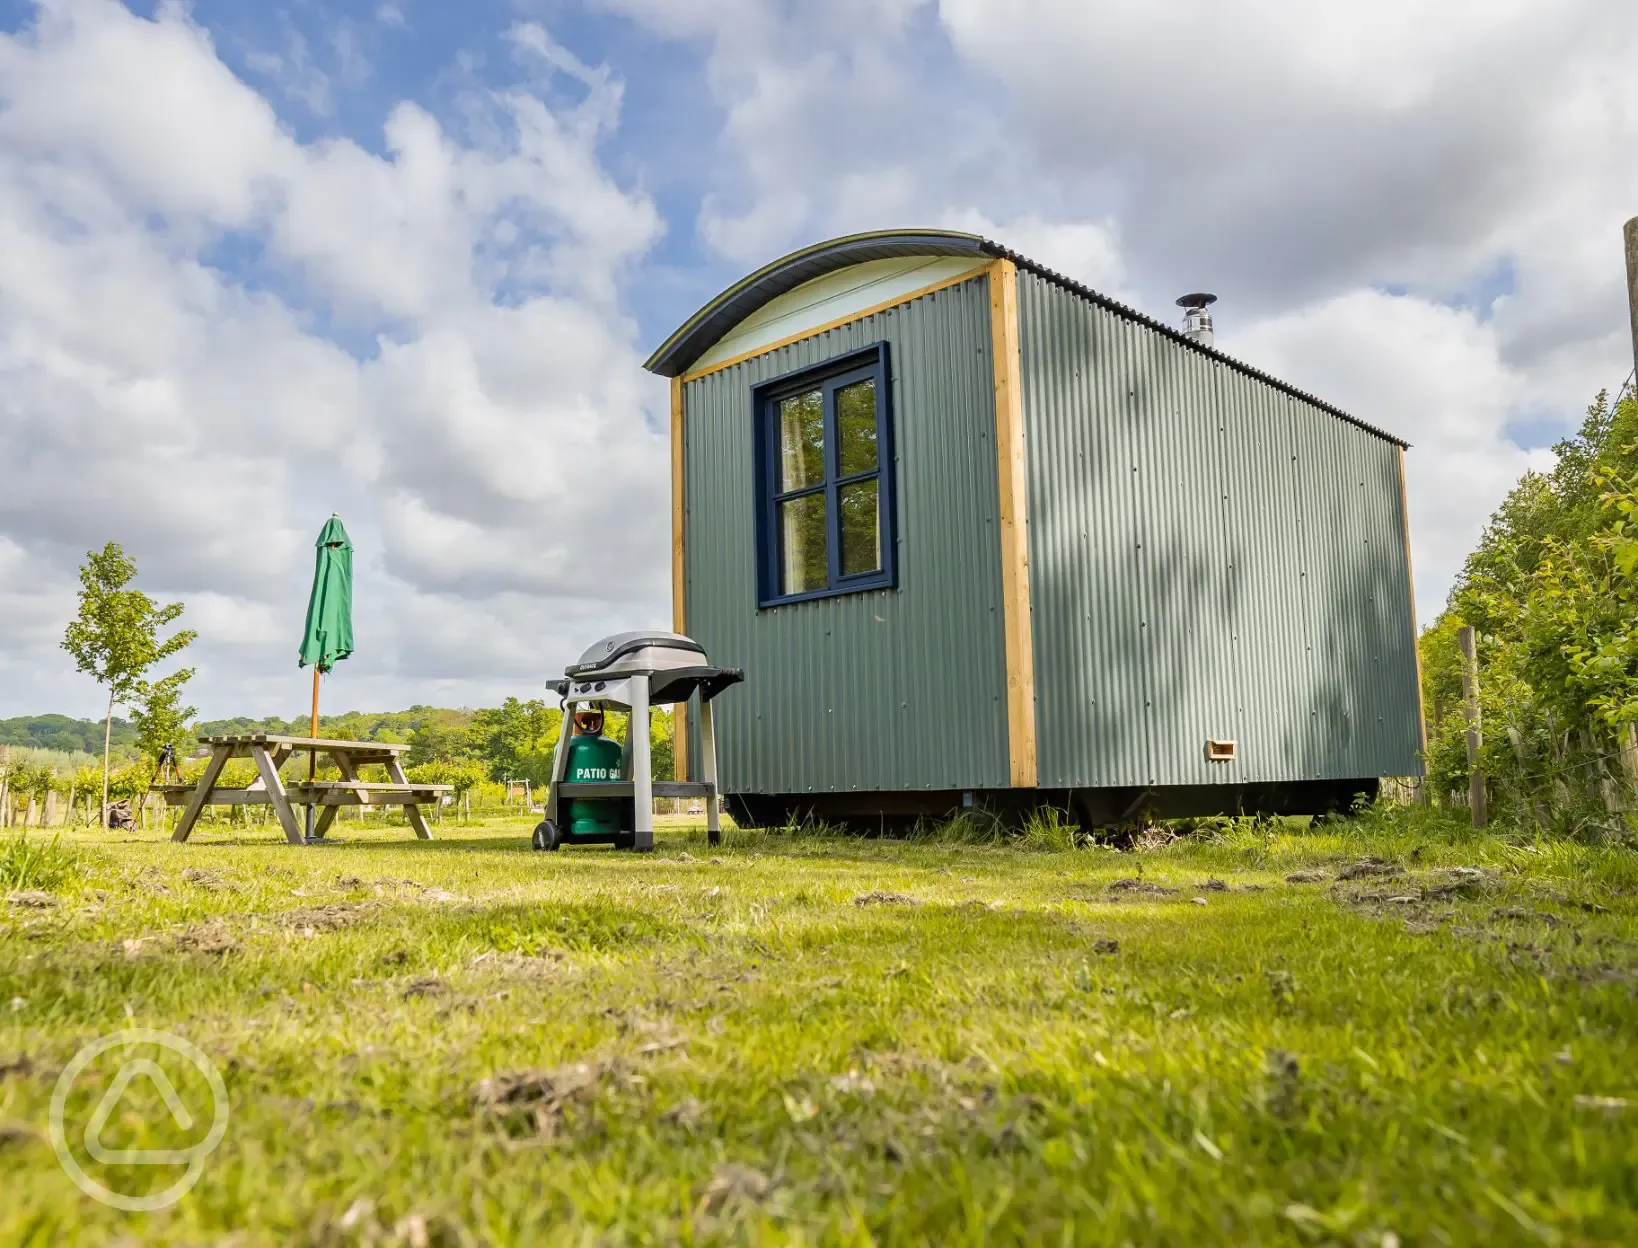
(633,672)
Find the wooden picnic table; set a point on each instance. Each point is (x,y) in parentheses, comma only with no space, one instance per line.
(270,752)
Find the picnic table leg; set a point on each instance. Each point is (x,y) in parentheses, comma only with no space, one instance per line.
(327,816)
(276,794)
(348,772)
(708,765)
(201,795)
(412,811)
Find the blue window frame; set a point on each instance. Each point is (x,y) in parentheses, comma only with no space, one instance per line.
(824,463)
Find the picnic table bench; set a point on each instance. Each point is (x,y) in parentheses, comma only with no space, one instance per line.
(270,752)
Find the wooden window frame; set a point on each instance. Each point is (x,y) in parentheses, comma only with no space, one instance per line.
(868,364)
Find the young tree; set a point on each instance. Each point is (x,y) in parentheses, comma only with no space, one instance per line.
(115,636)
(161,719)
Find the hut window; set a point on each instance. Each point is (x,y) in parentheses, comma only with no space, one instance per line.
(825,493)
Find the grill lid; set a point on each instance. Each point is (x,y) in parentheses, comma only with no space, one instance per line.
(646,650)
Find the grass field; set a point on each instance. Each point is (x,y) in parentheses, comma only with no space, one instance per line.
(1384,1032)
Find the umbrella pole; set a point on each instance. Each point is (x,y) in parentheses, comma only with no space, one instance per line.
(312,754)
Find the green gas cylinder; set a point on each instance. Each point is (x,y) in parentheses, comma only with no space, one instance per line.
(592,759)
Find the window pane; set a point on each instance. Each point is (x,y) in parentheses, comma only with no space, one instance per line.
(802,530)
(856,427)
(801,440)
(861,528)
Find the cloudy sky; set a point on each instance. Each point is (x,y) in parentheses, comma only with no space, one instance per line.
(402,259)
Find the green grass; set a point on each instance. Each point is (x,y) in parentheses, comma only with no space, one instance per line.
(997,1047)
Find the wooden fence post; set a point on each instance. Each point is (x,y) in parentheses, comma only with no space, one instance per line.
(1470,708)
(1630,236)
(1629,767)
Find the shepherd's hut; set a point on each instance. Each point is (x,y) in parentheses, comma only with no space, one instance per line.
(979,535)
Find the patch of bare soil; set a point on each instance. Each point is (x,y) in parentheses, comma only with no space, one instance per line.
(150,880)
(419,891)
(1315,876)
(362,1224)
(1282,1082)
(1417,899)
(21,1064)
(656,1035)
(1363,868)
(734,1185)
(441,896)
(31,899)
(885,899)
(204,877)
(1603,973)
(1504,914)
(215,938)
(687,1113)
(212,938)
(536,1099)
(549,965)
(425,986)
(329,918)
(1459,881)
(1142,887)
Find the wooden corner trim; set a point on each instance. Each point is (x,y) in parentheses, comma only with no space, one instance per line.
(965,275)
(1416,631)
(679,611)
(679,567)
(1023,766)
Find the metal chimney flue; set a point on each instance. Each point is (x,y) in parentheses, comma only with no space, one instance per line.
(1196,318)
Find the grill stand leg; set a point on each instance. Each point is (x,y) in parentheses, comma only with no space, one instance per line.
(708,765)
(642,774)
(560,765)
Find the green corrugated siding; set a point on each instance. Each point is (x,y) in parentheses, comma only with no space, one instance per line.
(1209,557)
(886,690)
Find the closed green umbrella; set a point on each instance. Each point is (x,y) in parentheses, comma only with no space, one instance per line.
(328,637)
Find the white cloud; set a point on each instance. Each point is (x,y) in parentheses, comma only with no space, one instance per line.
(1298,160)
(1087,251)
(208,424)
(1284,153)
(1432,374)
(833,120)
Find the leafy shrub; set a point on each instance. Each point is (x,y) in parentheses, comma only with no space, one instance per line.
(463,774)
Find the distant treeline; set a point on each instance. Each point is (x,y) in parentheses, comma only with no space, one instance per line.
(390,726)
(65,735)
(511,741)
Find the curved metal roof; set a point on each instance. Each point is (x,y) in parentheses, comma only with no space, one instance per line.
(700,332)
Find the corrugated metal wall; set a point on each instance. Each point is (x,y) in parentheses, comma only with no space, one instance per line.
(885,690)
(1209,557)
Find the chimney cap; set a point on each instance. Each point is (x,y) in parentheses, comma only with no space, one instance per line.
(1198,300)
